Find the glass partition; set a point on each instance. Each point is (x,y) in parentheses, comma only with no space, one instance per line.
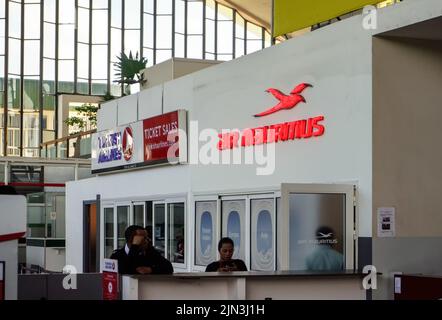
(159,236)
(122,224)
(108,231)
(317,232)
(175,252)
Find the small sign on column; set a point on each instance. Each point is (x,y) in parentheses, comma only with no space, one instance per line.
(110,279)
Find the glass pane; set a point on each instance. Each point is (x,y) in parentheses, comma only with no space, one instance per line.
(262,237)
(116,12)
(159,230)
(233,219)
(31,99)
(195,13)
(139,215)
(100,24)
(122,224)
(36,221)
(99,62)
(32,21)
(31,130)
(31,58)
(176,233)
(206,230)
(164,32)
(317,232)
(109,231)
(132,14)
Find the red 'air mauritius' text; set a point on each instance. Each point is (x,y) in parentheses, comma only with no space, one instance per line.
(300,129)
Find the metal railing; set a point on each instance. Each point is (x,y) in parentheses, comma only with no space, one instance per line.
(76,146)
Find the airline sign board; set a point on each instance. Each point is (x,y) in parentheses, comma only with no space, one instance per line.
(144,143)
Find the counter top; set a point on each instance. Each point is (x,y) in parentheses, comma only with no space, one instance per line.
(256,274)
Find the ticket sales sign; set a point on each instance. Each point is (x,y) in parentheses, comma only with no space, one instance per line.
(144,143)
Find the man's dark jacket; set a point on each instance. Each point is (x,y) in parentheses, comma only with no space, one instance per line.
(128,263)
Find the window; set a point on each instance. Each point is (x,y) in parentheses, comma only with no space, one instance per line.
(122,224)
(139,214)
(159,236)
(175,252)
(108,231)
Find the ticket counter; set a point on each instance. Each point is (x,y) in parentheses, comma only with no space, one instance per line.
(281,285)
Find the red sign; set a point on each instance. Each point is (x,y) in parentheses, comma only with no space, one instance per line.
(110,286)
(156,133)
(286,102)
(301,129)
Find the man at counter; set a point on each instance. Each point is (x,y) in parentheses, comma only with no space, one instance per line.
(138,256)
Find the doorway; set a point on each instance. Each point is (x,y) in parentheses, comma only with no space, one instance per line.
(90,252)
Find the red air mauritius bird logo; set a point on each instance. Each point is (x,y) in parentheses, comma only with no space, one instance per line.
(286,102)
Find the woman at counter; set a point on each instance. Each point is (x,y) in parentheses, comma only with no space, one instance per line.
(226,263)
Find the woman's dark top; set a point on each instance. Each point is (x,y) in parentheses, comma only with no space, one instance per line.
(235,265)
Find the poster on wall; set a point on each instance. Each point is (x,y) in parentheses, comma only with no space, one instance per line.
(233,217)
(262,234)
(2,281)
(206,233)
(386,222)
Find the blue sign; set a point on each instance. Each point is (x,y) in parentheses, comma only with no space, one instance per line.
(234,228)
(109,148)
(264,232)
(206,232)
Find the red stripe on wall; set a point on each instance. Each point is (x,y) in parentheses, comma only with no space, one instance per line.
(30,184)
(12,236)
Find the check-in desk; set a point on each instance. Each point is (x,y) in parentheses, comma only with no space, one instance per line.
(282,285)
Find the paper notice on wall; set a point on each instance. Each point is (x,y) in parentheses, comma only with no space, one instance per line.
(397,285)
(386,222)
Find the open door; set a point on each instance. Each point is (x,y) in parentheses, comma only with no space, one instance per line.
(90,252)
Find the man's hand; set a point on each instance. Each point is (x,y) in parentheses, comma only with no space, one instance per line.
(144,270)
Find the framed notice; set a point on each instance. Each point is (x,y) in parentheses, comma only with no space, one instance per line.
(2,280)
(386,222)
